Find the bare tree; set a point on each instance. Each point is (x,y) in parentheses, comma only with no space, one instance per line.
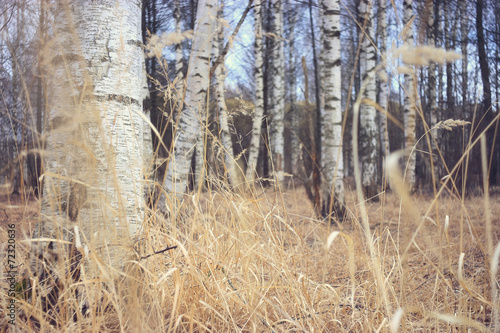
(259,95)
(192,116)
(410,113)
(368,117)
(277,107)
(94,169)
(331,120)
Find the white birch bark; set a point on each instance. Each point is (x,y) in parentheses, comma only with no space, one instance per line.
(192,116)
(383,96)
(179,64)
(292,60)
(409,101)
(259,96)
(220,75)
(331,117)
(277,108)
(433,109)
(199,156)
(368,115)
(94,170)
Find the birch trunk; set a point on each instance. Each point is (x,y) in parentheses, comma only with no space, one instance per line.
(409,101)
(259,96)
(331,117)
(292,61)
(220,75)
(277,108)
(368,115)
(192,116)
(179,63)
(433,109)
(199,154)
(94,171)
(383,95)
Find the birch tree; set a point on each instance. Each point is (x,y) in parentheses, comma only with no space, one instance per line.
(331,117)
(220,75)
(433,110)
(259,95)
(409,99)
(179,62)
(383,93)
(368,116)
(294,111)
(277,108)
(94,169)
(191,117)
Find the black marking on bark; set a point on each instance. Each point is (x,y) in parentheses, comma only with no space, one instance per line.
(135,42)
(118,98)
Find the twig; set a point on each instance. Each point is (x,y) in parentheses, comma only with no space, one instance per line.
(159,252)
(221,57)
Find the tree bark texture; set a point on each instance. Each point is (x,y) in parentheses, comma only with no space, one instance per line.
(410,113)
(94,170)
(259,96)
(227,144)
(383,94)
(192,116)
(331,116)
(368,116)
(277,107)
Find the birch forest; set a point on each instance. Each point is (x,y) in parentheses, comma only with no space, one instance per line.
(249,165)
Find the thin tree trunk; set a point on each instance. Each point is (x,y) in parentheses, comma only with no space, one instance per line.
(259,96)
(368,117)
(487,112)
(316,151)
(192,116)
(39,104)
(179,63)
(483,60)
(383,96)
(464,31)
(292,60)
(409,102)
(331,120)
(277,110)
(227,143)
(313,194)
(433,109)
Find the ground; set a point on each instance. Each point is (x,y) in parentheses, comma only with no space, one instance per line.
(247,262)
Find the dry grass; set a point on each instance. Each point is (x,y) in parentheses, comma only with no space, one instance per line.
(260,263)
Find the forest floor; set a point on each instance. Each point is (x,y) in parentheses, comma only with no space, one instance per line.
(278,273)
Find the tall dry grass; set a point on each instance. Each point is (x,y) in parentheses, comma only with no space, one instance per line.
(259,260)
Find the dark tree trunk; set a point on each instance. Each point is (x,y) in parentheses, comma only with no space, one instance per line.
(486,110)
(316,151)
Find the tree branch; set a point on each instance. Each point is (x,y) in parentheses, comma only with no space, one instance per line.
(221,57)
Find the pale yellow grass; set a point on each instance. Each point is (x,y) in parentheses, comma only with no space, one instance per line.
(260,263)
